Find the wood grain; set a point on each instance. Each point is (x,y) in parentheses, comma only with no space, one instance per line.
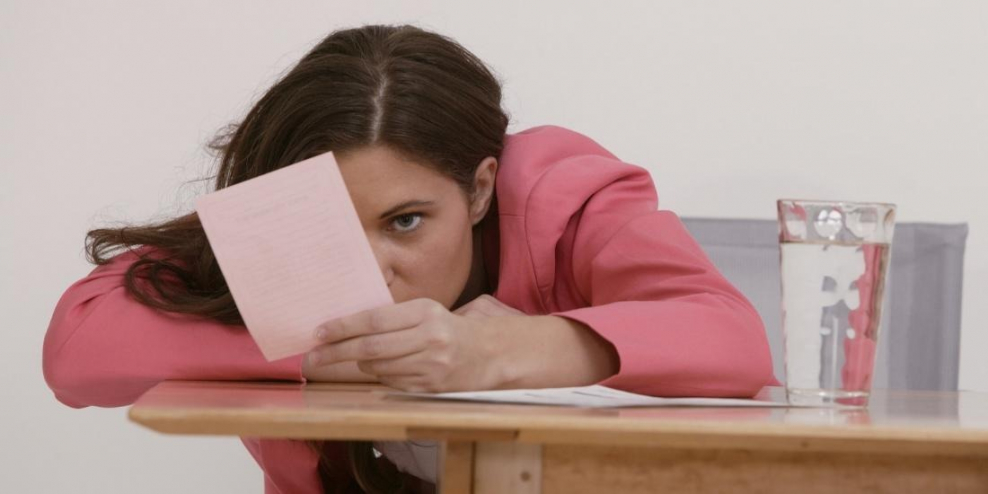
(501,467)
(585,470)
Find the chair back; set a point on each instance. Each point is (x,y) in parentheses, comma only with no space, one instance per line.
(919,343)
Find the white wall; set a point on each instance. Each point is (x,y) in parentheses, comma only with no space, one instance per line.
(105,106)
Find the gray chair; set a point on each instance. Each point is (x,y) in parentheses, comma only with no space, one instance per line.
(920,334)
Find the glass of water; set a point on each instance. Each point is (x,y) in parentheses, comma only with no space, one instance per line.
(834,261)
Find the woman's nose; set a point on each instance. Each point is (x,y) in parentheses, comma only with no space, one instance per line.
(389,275)
(383,260)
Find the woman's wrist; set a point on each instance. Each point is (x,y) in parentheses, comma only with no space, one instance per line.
(549,352)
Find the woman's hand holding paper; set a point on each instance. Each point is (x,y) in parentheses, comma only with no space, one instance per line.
(417,345)
(420,346)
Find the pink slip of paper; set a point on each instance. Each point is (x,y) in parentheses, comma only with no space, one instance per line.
(293,253)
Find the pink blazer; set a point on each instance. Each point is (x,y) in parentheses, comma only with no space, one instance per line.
(576,233)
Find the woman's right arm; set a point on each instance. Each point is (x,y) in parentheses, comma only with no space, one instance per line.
(104,348)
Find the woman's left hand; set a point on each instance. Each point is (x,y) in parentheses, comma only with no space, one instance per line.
(419,345)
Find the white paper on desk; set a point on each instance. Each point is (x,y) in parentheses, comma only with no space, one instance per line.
(293,252)
(589,396)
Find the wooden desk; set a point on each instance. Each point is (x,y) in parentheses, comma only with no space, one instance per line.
(925,442)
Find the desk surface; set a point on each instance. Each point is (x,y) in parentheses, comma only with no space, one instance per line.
(899,422)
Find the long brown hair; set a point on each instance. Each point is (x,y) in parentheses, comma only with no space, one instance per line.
(417,92)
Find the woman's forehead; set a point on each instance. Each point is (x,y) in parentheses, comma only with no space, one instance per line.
(378,177)
(381,163)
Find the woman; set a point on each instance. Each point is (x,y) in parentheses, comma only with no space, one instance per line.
(499,250)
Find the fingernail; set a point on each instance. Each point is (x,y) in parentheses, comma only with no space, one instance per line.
(314,358)
(322,333)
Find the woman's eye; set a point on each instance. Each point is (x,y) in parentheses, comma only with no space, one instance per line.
(406,222)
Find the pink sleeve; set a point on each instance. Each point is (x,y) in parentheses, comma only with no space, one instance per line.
(290,466)
(679,327)
(104,348)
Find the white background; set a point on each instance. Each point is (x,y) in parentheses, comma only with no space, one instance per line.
(105,108)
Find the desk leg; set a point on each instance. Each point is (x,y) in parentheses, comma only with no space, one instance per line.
(456,462)
(490,468)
